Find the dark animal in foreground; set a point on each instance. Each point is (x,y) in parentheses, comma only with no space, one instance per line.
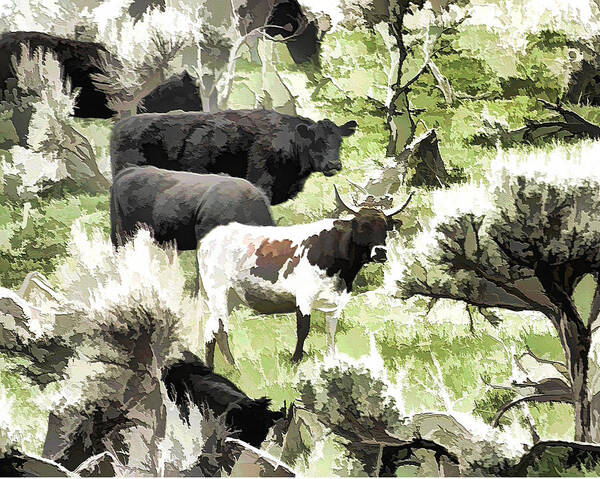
(180,206)
(79,60)
(178,92)
(288,269)
(191,379)
(273,151)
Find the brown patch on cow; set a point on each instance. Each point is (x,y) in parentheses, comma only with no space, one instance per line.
(270,258)
(291,265)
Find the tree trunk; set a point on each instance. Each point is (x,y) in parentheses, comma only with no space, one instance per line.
(399,120)
(577,344)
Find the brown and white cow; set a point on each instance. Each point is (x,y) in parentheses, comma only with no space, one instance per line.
(285,269)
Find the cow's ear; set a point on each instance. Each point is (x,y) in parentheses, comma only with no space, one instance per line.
(305,131)
(264,402)
(343,226)
(348,128)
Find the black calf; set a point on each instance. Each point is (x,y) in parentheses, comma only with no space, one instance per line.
(251,419)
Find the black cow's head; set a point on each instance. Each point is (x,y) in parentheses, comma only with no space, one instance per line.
(370,225)
(322,142)
(254,420)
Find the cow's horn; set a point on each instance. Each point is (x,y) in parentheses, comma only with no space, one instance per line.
(341,202)
(394,211)
(358,187)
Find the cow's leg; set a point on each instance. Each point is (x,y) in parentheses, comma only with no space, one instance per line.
(302,328)
(223,342)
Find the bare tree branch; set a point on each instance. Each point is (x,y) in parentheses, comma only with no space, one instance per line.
(541,398)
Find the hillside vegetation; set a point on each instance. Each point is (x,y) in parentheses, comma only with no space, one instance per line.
(399,354)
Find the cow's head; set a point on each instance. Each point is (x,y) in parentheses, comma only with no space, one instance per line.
(370,225)
(322,142)
(254,420)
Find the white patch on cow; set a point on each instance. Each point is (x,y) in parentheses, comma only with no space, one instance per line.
(227,257)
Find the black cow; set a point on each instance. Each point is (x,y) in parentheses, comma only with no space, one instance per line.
(303,35)
(79,61)
(275,152)
(190,378)
(179,92)
(180,206)
(287,20)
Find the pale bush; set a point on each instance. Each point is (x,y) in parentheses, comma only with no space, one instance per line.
(130,300)
(29,172)
(357,402)
(97,276)
(59,17)
(146,50)
(56,151)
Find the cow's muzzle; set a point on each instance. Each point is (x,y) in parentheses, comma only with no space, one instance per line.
(332,171)
(379,254)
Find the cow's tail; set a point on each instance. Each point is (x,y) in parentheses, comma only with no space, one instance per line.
(211,322)
(115,219)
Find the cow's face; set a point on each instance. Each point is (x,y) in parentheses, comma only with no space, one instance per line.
(369,231)
(322,144)
(370,225)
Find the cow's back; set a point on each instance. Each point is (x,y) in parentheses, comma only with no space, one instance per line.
(199,142)
(78,59)
(155,139)
(165,201)
(233,200)
(179,92)
(182,206)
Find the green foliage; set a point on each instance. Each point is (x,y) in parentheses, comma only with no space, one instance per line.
(492,400)
(543,69)
(34,236)
(564,461)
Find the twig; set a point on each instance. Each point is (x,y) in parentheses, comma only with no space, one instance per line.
(379,461)
(595,309)
(272,460)
(496,386)
(559,366)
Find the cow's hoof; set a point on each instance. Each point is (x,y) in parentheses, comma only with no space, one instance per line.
(296,358)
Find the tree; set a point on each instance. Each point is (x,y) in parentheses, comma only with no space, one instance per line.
(393,13)
(523,245)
